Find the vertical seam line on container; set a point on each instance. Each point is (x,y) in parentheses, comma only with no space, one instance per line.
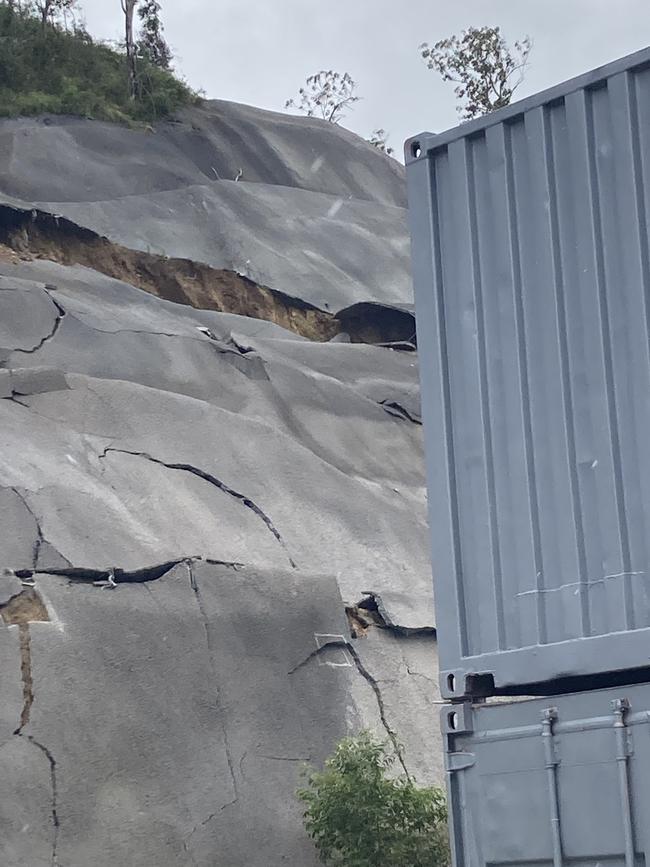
(522,359)
(490,481)
(606,342)
(447,414)
(567,398)
(639,188)
(456,813)
(642,222)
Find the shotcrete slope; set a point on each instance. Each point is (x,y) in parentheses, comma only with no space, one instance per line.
(297,204)
(214,552)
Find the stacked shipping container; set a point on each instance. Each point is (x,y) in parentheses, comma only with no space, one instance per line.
(531,262)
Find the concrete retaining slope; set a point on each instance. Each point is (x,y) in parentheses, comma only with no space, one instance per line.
(315,212)
(189,502)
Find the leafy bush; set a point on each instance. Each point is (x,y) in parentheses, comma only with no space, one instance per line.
(59,72)
(359,817)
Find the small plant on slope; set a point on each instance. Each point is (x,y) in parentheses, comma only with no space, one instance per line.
(358,816)
(379,140)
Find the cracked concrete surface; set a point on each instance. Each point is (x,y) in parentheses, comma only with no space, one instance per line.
(20,610)
(331,458)
(27,321)
(193,747)
(190,504)
(59,313)
(211,480)
(349,648)
(148,779)
(135,463)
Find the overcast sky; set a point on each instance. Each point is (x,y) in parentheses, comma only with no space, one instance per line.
(260,51)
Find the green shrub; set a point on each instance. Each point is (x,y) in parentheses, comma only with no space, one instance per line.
(60,72)
(358,816)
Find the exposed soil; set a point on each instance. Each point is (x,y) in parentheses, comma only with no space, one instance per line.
(21,610)
(26,607)
(38,235)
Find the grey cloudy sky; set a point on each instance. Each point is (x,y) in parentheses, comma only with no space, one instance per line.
(260,51)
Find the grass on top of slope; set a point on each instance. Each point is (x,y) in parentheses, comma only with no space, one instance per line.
(55,71)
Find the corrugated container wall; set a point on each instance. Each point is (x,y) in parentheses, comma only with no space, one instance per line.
(551,783)
(532,275)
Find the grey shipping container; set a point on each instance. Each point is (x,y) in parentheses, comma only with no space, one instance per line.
(561,782)
(532,276)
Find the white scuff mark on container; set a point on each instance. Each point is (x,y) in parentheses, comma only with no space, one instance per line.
(579,584)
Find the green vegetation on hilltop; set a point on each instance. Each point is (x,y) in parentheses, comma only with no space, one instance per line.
(49,69)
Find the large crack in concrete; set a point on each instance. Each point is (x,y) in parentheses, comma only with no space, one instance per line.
(27,607)
(367,676)
(14,397)
(371,611)
(113,576)
(39,540)
(392,407)
(22,609)
(213,665)
(60,313)
(217,483)
(37,234)
(56,825)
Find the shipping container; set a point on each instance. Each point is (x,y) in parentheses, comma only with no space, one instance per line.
(532,277)
(551,782)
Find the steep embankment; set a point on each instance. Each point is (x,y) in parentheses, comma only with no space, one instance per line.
(213,535)
(68,159)
(316,214)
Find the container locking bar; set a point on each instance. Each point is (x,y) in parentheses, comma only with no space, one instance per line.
(621,706)
(549,715)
